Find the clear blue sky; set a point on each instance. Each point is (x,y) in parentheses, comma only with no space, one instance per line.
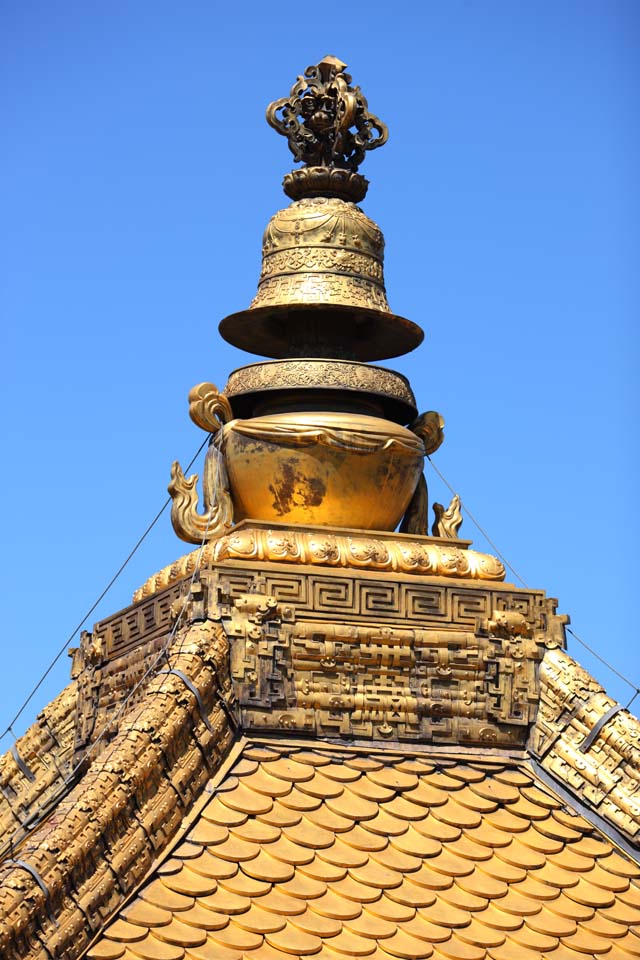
(137,174)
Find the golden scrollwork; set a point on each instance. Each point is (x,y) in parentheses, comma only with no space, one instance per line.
(420,557)
(429,427)
(447,521)
(208,408)
(217,518)
(343,374)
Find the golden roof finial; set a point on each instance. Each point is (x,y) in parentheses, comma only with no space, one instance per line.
(329,129)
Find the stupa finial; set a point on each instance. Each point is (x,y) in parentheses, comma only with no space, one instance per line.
(329,129)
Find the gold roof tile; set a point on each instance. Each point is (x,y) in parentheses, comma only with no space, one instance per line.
(404,808)
(573,820)
(182,934)
(406,947)
(355,890)
(485,834)
(362,839)
(470,849)
(153,949)
(502,870)
(583,941)
(482,885)
(503,819)
(365,787)
(528,809)
(209,865)
(466,773)
(265,867)
(160,896)
(106,950)
(364,763)
(266,783)
(445,914)
(266,952)
(517,904)
(322,870)
(188,850)
(290,852)
(616,953)
(294,941)
(260,753)
(537,841)
(462,898)
(456,815)
(541,797)
(534,888)
(204,831)
(245,886)
(213,951)
(393,778)
(514,776)
(441,781)
(411,895)
(415,765)
(590,894)
(551,923)
(427,795)
(280,816)
(304,887)
(455,949)
(236,937)
(256,831)
(352,807)
(396,859)
(631,896)
(350,944)
(226,902)
(557,876)
(605,879)
(282,903)
(491,916)
(552,828)
(302,802)
(495,790)
(469,797)
(342,854)
(245,800)
(125,932)
(520,855)
(335,907)
(313,757)
(217,812)
(416,841)
(602,927)
(616,863)
(391,910)
(386,825)
(480,934)
(630,944)
(204,919)
(314,923)
(320,786)
(234,848)
(526,937)
(620,912)
(258,920)
(431,879)
(591,846)
(341,772)
(449,864)
(376,875)
(329,820)
(290,769)
(570,909)
(146,914)
(309,834)
(190,884)
(438,830)
(245,766)
(371,926)
(425,929)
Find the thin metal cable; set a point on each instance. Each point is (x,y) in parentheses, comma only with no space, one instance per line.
(63,648)
(606,663)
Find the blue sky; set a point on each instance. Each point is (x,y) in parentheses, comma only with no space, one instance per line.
(137,175)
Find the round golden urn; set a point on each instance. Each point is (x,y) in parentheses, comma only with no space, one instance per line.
(322,468)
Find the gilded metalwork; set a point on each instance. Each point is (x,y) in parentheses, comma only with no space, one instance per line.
(325,468)
(208,408)
(430,428)
(217,517)
(447,520)
(320,374)
(326,120)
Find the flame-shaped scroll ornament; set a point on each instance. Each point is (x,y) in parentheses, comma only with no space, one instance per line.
(209,409)
(447,522)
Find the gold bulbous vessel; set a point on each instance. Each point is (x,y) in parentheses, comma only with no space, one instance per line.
(322,468)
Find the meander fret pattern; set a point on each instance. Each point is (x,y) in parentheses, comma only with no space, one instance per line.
(304,851)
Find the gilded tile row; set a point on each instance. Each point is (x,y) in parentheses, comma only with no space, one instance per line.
(335,854)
